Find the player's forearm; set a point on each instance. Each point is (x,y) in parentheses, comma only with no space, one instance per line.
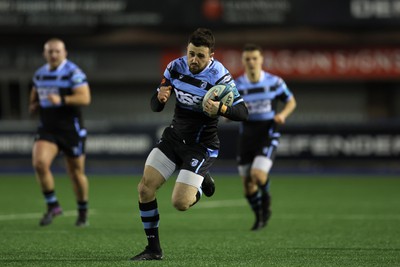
(238,112)
(73,100)
(289,107)
(80,97)
(33,97)
(155,104)
(33,101)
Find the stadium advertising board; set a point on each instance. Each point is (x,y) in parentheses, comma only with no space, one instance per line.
(366,63)
(113,144)
(335,142)
(92,16)
(363,62)
(305,142)
(307,63)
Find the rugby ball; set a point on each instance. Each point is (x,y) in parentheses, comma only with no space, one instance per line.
(219,92)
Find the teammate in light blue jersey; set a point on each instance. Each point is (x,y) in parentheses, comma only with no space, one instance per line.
(190,144)
(59,90)
(259,136)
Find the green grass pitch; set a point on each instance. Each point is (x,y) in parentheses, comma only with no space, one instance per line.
(316,221)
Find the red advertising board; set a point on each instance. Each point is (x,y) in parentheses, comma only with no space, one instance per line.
(316,64)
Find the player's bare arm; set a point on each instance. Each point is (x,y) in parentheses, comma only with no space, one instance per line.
(164,93)
(80,97)
(280,118)
(33,101)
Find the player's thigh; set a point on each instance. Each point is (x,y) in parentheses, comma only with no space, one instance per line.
(186,187)
(43,153)
(149,183)
(75,165)
(158,160)
(261,167)
(245,161)
(152,179)
(184,194)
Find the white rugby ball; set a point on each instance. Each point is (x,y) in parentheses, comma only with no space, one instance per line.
(219,92)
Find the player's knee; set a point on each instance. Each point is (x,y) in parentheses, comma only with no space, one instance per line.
(258,176)
(145,190)
(142,188)
(78,177)
(180,204)
(41,166)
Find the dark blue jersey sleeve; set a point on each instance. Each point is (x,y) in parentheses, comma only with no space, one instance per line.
(237,112)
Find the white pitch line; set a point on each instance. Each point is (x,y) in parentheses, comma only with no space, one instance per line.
(301,216)
(222,203)
(25,216)
(349,217)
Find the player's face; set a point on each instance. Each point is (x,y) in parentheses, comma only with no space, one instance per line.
(252,61)
(54,53)
(198,58)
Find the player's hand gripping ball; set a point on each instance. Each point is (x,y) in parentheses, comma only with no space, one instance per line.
(219,92)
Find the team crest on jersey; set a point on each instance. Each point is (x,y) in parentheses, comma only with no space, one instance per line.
(180,77)
(214,71)
(77,79)
(203,85)
(194,162)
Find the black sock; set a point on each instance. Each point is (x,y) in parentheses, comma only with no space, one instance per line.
(265,187)
(82,208)
(255,202)
(51,199)
(265,197)
(150,219)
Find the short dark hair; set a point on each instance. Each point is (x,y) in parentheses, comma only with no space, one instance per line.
(203,37)
(252,47)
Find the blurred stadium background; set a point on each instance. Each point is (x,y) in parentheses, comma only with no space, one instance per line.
(340,58)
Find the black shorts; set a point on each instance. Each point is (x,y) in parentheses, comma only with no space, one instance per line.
(192,157)
(71,143)
(249,148)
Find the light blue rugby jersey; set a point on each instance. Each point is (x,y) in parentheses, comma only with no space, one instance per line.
(261,97)
(59,81)
(190,88)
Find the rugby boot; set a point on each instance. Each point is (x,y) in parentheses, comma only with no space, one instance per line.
(82,220)
(148,255)
(208,185)
(263,213)
(50,215)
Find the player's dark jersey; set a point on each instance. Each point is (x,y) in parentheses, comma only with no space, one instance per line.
(261,99)
(61,81)
(189,121)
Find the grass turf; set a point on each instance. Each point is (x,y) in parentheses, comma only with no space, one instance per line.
(317,221)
